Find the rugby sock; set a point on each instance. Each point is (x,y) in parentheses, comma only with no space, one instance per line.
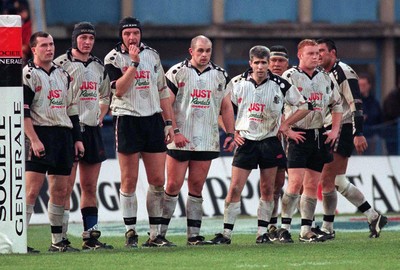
(154,201)
(273,222)
(56,214)
(194,213)
(307,211)
(279,179)
(169,205)
(274,215)
(289,204)
(29,212)
(232,210)
(264,215)
(355,196)
(349,191)
(129,209)
(368,211)
(65,223)
(90,220)
(329,202)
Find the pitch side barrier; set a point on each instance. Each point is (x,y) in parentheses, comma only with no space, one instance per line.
(12,165)
(377,178)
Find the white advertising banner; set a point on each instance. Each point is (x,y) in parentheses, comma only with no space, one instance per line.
(376,177)
(12,162)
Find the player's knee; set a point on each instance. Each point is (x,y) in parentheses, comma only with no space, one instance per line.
(327,184)
(295,187)
(89,188)
(235,192)
(173,187)
(267,194)
(157,181)
(277,196)
(196,190)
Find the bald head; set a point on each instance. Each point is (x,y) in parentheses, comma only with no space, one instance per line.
(200,38)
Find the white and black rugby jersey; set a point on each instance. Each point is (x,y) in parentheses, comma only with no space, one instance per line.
(48,98)
(198,98)
(90,84)
(149,86)
(349,90)
(319,90)
(259,107)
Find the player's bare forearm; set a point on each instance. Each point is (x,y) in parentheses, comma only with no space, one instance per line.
(227,115)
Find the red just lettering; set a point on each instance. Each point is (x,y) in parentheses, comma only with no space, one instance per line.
(201,93)
(315,96)
(256,107)
(88,85)
(54,94)
(142,74)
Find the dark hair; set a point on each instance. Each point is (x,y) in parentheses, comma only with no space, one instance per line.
(259,51)
(279,50)
(33,39)
(329,43)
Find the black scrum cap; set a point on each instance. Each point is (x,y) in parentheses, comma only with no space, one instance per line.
(80,29)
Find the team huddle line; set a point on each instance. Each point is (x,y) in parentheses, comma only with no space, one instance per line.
(304,121)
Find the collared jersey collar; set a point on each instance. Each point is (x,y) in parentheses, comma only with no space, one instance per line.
(73,59)
(335,65)
(247,76)
(210,66)
(31,64)
(315,72)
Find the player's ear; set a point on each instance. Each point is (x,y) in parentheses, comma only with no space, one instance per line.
(299,55)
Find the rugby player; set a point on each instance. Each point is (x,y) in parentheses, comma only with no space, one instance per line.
(306,159)
(51,124)
(92,91)
(334,173)
(259,96)
(199,96)
(142,113)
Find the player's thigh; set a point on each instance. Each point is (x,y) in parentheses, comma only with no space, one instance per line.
(331,170)
(267,183)
(310,183)
(129,168)
(176,171)
(198,171)
(295,180)
(89,174)
(239,178)
(154,164)
(58,188)
(34,182)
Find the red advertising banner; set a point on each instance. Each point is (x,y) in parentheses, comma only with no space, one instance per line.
(10,42)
